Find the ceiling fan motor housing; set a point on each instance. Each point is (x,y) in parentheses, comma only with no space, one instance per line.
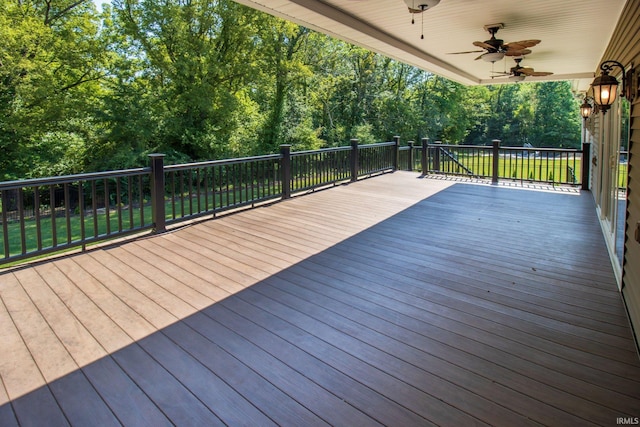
(493,41)
(496,43)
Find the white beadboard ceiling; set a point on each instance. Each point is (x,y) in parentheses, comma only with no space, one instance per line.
(573,33)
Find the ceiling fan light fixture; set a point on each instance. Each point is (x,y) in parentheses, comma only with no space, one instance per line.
(517,78)
(418,6)
(492,56)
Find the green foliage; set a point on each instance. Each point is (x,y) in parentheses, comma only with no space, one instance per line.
(555,121)
(50,63)
(207,79)
(58,153)
(364,134)
(541,114)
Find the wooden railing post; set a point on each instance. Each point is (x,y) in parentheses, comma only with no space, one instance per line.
(586,165)
(396,152)
(355,160)
(157,193)
(424,156)
(410,161)
(285,170)
(496,160)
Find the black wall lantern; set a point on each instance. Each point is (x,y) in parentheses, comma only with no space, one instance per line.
(605,87)
(586,109)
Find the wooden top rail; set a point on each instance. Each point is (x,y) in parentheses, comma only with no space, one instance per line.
(38,182)
(546,149)
(221,162)
(489,147)
(322,150)
(377,144)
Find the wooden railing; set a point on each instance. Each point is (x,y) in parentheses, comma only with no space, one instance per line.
(41,216)
(45,215)
(553,166)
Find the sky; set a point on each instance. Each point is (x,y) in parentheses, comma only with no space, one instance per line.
(99,3)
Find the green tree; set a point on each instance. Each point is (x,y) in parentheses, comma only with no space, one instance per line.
(51,63)
(556,123)
(206,79)
(396,107)
(325,91)
(281,41)
(478,110)
(196,60)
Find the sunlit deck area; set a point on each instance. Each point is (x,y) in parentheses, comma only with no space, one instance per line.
(396,300)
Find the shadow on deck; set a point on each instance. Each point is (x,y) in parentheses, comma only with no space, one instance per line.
(395,301)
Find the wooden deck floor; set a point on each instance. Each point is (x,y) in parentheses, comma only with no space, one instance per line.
(395,301)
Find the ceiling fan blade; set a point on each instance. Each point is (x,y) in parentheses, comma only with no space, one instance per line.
(483,45)
(469,51)
(522,52)
(522,44)
(540,73)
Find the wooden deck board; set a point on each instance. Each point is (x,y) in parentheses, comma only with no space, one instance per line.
(122,394)
(272,401)
(393,301)
(73,335)
(395,314)
(364,347)
(426,294)
(231,407)
(318,370)
(48,352)
(320,401)
(101,327)
(383,336)
(377,379)
(413,366)
(180,405)
(80,402)
(487,299)
(7,416)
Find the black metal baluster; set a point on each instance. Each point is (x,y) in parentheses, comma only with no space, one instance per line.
(130,202)
(36,215)
(119,204)
(23,240)
(107,206)
(83,235)
(67,211)
(52,208)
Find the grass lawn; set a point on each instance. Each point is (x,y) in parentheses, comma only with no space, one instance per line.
(40,234)
(519,168)
(528,169)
